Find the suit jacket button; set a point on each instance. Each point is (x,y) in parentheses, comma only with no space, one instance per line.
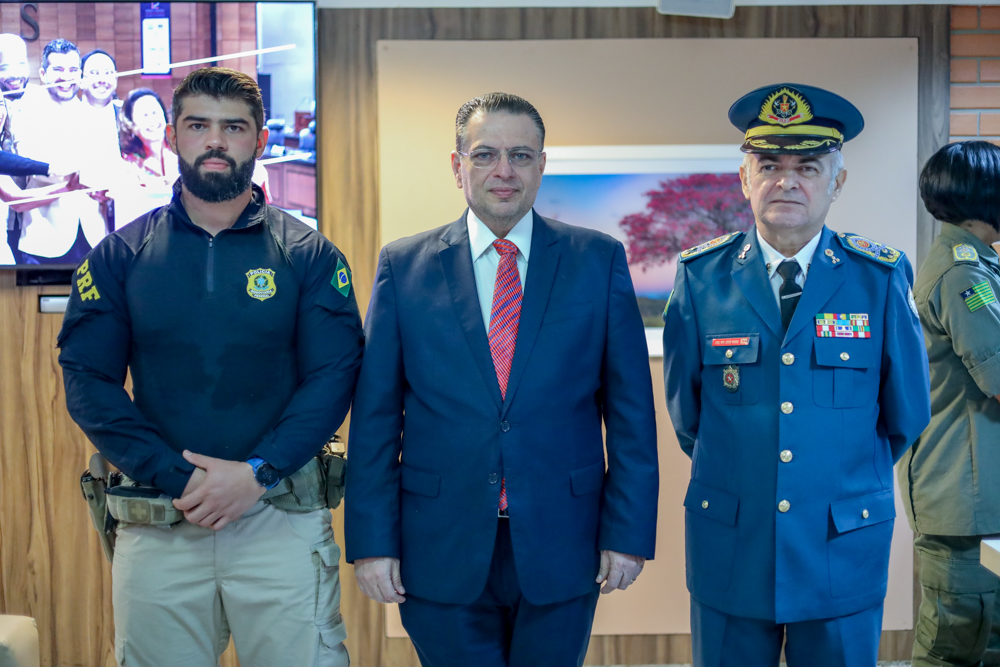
(704,504)
(784,506)
(786,456)
(788,358)
(729,354)
(844,356)
(505,426)
(864,514)
(787,408)
(493,478)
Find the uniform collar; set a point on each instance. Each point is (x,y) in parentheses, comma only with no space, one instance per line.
(955,235)
(772,258)
(253,214)
(481,237)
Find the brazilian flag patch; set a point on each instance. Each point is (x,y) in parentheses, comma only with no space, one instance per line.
(341,278)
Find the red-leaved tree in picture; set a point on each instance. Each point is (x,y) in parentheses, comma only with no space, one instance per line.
(682,213)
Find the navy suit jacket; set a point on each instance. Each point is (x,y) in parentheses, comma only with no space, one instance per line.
(431,437)
(790,508)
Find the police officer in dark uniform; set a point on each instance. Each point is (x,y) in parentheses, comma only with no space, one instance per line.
(241,331)
(795,376)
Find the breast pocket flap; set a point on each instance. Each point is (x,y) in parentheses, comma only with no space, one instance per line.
(863,511)
(420,482)
(723,349)
(587,480)
(844,352)
(711,503)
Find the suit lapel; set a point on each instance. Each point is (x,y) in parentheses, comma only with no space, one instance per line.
(456,261)
(538,285)
(822,281)
(750,275)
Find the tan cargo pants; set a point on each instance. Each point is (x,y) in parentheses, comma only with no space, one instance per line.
(271,579)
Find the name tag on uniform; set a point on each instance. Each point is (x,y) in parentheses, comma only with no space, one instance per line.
(730,342)
(843,325)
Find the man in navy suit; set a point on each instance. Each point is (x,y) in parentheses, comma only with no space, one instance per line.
(496,347)
(796,376)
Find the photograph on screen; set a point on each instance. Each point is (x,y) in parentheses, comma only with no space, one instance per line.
(85,99)
(674,203)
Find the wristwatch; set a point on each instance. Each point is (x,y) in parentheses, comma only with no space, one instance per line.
(264,472)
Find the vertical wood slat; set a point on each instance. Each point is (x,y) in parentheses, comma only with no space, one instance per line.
(348,175)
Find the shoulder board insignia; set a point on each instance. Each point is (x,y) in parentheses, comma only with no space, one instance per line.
(965,253)
(714,244)
(873,250)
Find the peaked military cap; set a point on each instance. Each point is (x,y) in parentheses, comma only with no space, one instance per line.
(794,119)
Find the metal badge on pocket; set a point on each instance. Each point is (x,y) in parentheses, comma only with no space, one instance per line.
(731,378)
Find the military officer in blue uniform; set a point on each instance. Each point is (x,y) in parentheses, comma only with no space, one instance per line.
(795,376)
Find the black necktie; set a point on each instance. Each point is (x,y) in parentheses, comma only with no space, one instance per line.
(790,291)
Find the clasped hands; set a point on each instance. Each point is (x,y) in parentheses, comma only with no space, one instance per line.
(218,492)
(379,578)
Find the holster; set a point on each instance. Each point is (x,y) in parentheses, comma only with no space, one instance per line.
(317,484)
(93,485)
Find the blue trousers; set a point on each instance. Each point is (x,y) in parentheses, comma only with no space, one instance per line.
(721,640)
(501,628)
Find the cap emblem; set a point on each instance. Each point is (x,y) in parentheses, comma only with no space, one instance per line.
(786,106)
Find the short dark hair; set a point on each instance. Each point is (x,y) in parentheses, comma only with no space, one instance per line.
(130,143)
(95,52)
(221,83)
(962,182)
(497,103)
(58,45)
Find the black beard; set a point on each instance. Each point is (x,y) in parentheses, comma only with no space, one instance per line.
(214,187)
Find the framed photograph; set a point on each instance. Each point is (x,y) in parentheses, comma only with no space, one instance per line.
(656,200)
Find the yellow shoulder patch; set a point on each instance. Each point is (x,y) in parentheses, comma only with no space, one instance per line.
(965,253)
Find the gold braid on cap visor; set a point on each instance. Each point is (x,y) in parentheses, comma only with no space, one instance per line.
(835,136)
(810,130)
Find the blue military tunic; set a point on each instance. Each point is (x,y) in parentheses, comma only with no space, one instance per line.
(790,510)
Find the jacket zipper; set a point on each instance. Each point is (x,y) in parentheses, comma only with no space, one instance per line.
(210,267)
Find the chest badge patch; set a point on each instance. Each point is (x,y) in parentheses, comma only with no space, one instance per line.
(843,325)
(731,378)
(260,284)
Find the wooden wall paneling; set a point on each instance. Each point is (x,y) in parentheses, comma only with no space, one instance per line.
(348,176)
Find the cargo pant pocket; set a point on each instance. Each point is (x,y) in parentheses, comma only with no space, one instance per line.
(332,652)
(326,560)
(954,627)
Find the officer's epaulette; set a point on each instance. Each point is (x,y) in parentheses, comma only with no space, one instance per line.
(873,250)
(965,254)
(714,244)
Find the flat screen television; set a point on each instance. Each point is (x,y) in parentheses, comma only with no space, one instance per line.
(86,96)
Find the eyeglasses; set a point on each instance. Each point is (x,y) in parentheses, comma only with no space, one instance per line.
(484,158)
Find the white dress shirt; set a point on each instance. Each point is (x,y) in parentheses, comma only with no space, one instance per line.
(772,258)
(486,259)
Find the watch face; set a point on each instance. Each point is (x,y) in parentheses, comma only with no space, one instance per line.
(266,475)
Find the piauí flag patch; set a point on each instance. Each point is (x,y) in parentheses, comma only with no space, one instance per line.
(843,325)
(978,296)
(342,278)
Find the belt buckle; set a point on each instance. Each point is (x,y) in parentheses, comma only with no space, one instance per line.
(502,514)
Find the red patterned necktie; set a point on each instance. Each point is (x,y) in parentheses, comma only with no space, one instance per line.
(504,317)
